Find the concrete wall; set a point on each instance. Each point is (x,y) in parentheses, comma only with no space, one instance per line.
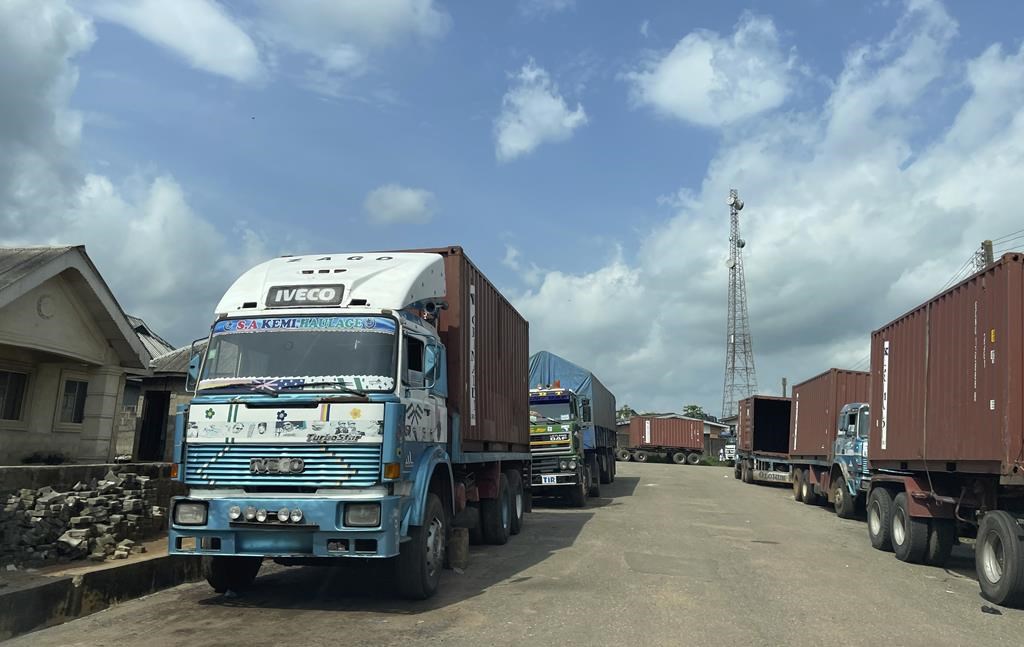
(49,335)
(128,428)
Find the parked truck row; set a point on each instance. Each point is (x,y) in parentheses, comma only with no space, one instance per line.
(359,406)
(929,442)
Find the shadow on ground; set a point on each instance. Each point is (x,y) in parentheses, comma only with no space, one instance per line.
(369,585)
(623,486)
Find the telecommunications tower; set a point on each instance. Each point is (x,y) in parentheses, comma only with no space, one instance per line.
(740,376)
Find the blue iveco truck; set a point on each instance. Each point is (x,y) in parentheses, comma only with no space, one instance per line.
(354,406)
(572,429)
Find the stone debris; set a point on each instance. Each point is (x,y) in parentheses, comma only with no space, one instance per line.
(99,520)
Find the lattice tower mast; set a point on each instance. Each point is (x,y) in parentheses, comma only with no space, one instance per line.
(740,376)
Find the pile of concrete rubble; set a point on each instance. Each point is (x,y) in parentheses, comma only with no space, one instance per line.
(99,519)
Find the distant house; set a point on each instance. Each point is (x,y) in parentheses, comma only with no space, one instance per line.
(66,348)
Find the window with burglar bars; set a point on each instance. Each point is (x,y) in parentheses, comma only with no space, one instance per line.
(12,394)
(72,408)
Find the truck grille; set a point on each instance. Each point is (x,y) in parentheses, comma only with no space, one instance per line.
(545,464)
(325,466)
(551,450)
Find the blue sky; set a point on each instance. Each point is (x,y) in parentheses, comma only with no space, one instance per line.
(581,151)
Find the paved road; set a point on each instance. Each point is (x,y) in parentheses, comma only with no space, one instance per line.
(673,555)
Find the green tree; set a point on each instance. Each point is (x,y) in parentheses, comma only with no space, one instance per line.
(625,411)
(693,411)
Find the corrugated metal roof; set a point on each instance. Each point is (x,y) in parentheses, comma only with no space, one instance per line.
(18,262)
(154,343)
(177,360)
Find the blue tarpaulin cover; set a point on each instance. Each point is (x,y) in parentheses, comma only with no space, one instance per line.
(546,368)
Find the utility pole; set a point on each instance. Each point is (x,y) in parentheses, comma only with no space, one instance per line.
(983,257)
(740,376)
(784,387)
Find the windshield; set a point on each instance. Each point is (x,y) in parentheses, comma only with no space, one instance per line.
(288,352)
(558,411)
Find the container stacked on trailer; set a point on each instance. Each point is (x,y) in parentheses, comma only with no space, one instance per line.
(678,439)
(763,449)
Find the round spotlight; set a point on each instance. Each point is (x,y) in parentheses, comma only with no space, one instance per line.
(250,513)
(296,515)
(572,464)
(282,514)
(234,513)
(261,515)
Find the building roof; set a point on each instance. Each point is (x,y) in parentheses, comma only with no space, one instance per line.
(177,360)
(22,269)
(154,343)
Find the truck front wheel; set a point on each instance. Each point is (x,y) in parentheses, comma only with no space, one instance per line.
(578,492)
(231,573)
(421,558)
(845,503)
(999,559)
(496,515)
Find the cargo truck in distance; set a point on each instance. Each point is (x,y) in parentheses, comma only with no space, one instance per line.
(354,406)
(680,440)
(828,440)
(572,430)
(763,449)
(947,440)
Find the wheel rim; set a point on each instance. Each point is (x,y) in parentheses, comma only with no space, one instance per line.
(839,496)
(993,557)
(899,526)
(875,519)
(435,546)
(804,487)
(519,505)
(506,512)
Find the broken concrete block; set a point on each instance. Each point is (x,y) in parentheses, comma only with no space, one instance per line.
(79,522)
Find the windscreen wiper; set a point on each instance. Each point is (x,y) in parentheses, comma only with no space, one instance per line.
(263,387)
(337,385)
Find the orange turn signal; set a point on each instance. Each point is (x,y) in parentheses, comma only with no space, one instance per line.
(392,470)
(174,470)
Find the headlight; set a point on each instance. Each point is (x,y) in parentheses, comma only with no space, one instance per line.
(572,464)
(362,514)
(190,513)
(250,513)
(234,513)
(562,465)
(296,515)
(261,515)
(283,514)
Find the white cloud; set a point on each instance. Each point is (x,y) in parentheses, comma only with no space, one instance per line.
(533,112)
(645,28)
(140,231)
(342,36)
(541,8)
(393,203)
(852,217)
(711,80)
(199,31)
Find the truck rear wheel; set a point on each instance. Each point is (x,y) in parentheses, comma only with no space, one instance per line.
(844,502)
(880,518)
(515,486)
(231,573)
(999,559)
(595,478)
(909,534)
(604,467)
(622,455)
(421,558)
(941,537)
(640,457)
(737,471)
(476,532)
(798,480)
(496,515)
(807,493)
(693,458)
(679,458)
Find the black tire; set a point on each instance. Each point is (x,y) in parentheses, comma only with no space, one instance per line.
(880,518)
(476,533)
(999,559)
(693,458)
(845,503)
(737,471)
(496,515)
(798,476)
(595,477)
(941,537)
(909,534)
(612,462)
(807,493)
(577,494)
(748,474)
(640,456)
(518,501)
(622,455)
(421,558)
(231,573)
(679,458)
(604,467)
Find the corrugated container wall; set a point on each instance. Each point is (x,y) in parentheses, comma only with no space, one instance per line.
(947,379)
(487,381)
(764,424)
(816,406)
(648,431)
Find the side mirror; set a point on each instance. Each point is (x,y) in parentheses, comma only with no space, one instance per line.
(586,410)
(430,366)
(195,364)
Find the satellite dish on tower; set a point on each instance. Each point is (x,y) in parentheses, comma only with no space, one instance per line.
(735,202)
(731,263)
(741,243)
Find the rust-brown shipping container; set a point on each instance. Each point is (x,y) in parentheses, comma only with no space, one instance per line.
(816,406)
(764,425)
(947,379)
(675,433)
(488,344)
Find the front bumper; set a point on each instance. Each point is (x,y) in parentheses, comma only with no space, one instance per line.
(321,533)
(539,481)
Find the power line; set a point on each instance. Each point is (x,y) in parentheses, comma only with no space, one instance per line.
(861,363)
(959,274)
(1002,238)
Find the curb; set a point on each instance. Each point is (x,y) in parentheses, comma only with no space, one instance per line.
(68,597)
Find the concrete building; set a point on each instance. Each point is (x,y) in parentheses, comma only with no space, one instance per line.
(66,347)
